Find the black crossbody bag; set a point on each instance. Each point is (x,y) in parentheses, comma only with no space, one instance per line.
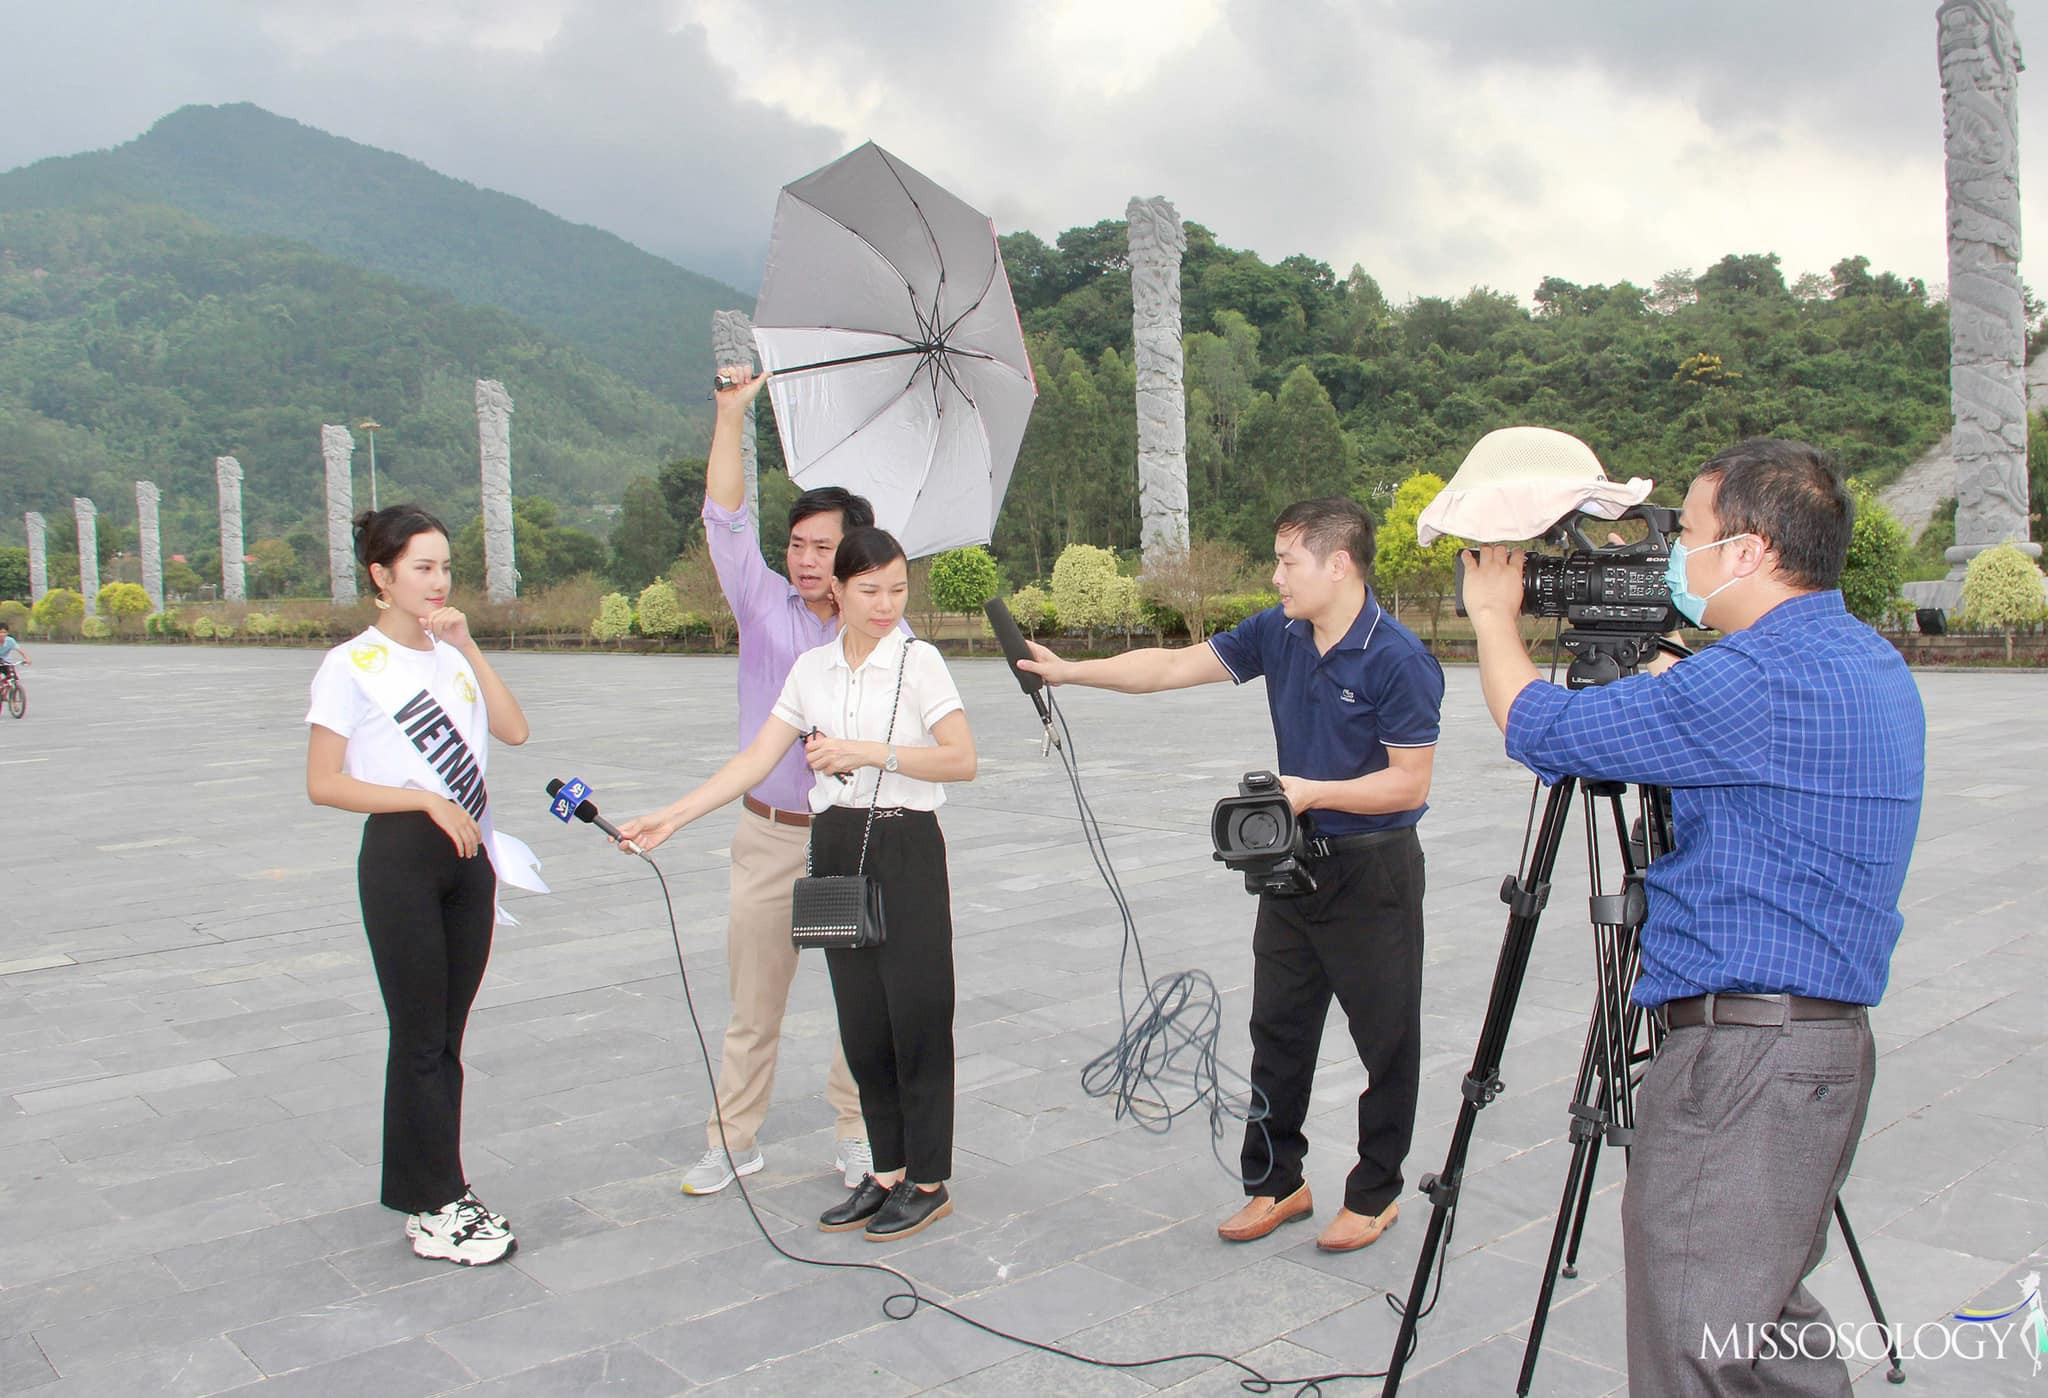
(845,910)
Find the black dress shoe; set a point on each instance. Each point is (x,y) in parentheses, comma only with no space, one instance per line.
(908,1210)
(856,1208)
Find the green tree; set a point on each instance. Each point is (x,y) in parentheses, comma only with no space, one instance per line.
(1033,609)
(614,620)
(59,611)
(2003,590)
(1089,592)
(1403,563)
(644,539)
(124,605)
(1294,449)
(14,573)
(1876,565)
(180,579)
(961,580)
(275,569)
(660,613)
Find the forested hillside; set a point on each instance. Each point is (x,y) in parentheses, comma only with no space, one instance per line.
(1302,382)
(246,170)
(141,343)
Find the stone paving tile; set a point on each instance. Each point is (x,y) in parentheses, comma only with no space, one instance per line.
(624,1370)
(191,1047)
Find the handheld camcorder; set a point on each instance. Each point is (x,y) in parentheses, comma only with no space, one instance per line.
(1613,599)
(1256,833)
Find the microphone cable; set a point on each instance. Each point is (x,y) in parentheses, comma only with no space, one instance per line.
(905,1303)
(1166,1050)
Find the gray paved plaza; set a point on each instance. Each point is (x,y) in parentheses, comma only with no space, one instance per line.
(191,1050)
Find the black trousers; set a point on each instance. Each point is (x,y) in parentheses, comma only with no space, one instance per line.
(1358,937)
(428,913)
(895,1001)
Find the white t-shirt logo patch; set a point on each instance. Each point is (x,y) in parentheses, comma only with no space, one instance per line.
(368,658)
(467,690)
(1347,696)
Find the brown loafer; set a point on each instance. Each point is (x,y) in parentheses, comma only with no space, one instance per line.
(1348,1232)
(1262,1213)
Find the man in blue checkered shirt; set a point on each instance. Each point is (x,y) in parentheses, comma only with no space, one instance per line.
(1794,751)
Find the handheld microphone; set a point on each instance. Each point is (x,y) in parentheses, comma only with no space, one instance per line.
(586,811)
(1011,639)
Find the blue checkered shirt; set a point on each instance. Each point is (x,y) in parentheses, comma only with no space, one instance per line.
(1794,751)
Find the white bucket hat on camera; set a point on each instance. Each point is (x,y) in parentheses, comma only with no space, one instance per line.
(1519,481)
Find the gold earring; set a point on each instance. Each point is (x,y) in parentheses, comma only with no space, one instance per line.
(382,605)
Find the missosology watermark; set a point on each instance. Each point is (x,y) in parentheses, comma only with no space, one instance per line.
(1867,1342)
(1972,1334)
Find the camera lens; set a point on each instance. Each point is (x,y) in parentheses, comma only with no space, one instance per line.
(1258,830)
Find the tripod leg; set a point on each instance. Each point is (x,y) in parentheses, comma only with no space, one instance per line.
(1525,896)
(1897,1373)
(1570,1271)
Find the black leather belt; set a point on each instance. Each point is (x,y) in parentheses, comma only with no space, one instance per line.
(1755,1011)
(1323,846)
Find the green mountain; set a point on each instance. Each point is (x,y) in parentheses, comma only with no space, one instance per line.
(137,341)
(245,170)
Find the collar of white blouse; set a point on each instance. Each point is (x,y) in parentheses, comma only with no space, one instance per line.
(884,654)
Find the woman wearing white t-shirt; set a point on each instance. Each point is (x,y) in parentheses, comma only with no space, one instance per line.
(895,1001)
(402,717)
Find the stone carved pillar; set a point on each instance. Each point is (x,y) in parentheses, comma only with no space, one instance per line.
(732,342)
(1980,68)
(88,552)
(227,474)
(38,556)
(147,497)
(1157,242)
(337,449)
(494,441)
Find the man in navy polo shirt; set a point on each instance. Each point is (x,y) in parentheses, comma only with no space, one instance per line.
(1355,699)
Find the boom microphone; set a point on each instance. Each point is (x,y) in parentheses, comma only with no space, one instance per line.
(1011,639)
(587,813)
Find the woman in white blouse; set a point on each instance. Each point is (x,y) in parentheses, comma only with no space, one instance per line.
(895,1001)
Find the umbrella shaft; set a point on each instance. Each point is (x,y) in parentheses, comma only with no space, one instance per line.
(861,358)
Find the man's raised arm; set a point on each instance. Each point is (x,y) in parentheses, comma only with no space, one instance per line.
(725,477)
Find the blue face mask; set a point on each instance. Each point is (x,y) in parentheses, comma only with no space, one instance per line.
(1690,605)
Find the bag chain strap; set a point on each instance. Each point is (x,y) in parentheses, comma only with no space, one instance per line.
(895,705)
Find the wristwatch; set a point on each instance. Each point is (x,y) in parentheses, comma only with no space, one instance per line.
(890,765)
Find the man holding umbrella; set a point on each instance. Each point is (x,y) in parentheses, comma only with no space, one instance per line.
(779,619)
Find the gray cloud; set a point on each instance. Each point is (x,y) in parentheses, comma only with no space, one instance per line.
(1442,145)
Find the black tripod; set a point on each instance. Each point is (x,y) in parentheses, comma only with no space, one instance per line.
(1602,1108)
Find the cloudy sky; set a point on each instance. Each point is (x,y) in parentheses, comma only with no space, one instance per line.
(1441,145)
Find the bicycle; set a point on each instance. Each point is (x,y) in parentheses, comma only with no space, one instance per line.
(11,692)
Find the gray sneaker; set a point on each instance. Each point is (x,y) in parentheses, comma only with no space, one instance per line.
(712,1173)
(855,1161)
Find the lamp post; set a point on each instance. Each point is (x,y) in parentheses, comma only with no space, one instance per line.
(370,426)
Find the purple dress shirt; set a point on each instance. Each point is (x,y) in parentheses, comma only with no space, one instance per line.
(775,628)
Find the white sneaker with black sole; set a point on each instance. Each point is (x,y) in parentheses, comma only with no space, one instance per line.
(855,1160)
(412,1221)
(711,1173)
(463,1232)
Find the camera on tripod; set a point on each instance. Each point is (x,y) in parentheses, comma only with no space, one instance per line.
(1613,599)
(1256,833)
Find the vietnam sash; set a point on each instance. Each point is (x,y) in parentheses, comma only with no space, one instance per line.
(442,758)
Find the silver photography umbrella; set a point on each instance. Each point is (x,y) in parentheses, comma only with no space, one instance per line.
(900,365)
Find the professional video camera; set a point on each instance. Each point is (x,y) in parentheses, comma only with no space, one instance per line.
(1256,833)
(1613,598)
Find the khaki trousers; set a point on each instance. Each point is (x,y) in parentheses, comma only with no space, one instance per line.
(766,859)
